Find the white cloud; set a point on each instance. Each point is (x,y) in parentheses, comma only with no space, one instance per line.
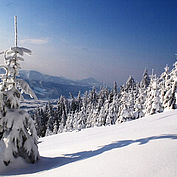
(34,41)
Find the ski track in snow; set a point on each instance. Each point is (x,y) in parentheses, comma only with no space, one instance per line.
(145,147)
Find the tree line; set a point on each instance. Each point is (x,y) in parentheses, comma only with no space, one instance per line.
(132,100)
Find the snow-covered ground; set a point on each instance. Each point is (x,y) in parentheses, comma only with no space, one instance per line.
(146,147)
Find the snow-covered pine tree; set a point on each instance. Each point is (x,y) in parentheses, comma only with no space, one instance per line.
(101,120)
(126,109)
(112,115)
(79,101)
(83,118)
(79,121)
(102,97)
(55,127)
(115,90)
(69,122)
(37,117)
(75,121)
(169,88)
(130,84)
(62,123)
(62,112)
(153,102)
(51,120)
(173,75)
(141,91)
(145,80)
(164,82)
(17,130)
(73,104)
(85,100)
(94,117)
(93,97)
(126,100)
(139,103)
(45,117)
(104,113)
(89,113)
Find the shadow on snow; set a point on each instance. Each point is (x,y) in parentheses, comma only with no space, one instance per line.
(47,163)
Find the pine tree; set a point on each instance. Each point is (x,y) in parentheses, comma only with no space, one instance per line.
(130,84)
(62,123)
(62,112)
(153,102)
(17,129)
(126,97)
(170,89)
(55,128)
(41,117)
(126,109)
(94,117)
(105,112)
(51,120)
(112,114)
(101,120)
(85,100)
(139,106)
(93,97)
(45,117)
(69,123)
(89,113)
(79,102)
(37,117)
(145,80)
(73,104)
(115,91)
(102,96)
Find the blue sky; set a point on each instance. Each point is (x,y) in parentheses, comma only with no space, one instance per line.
(105,39)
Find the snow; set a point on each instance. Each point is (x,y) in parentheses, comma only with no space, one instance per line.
(144,147)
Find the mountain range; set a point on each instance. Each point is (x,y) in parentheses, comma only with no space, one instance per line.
(52,87)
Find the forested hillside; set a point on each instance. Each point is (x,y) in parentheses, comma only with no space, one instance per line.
(133,100)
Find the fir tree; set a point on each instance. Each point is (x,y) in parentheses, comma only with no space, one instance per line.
(85,100)
(62,123)
(79,101)
(130,84)
(51,120)
(145,80)
(153,102)
(169,95)
(101,118)
(112,114)
(55,128)
(115,91)
(139,106)
(17,129)
(69,122)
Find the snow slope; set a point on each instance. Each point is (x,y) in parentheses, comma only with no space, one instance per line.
(146,147)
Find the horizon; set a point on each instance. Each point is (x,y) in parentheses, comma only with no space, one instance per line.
(104,40)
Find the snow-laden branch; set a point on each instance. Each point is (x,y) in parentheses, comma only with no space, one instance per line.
(25,88)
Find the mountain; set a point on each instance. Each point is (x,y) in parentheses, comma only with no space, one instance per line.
(51,87)
(89,81)
(144,147)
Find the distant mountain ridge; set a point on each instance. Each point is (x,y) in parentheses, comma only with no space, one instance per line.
(51,87)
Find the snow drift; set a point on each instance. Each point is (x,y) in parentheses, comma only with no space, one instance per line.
(143,147)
